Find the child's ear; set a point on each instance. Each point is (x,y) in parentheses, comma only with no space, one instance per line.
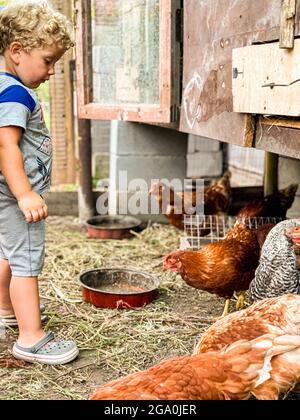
(15,49)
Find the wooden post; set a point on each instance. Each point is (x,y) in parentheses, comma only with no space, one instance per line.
(70,119)
(279,122)
(85,190)
(69,110)
(250,130)
(271,173)
(68,10)
(69,104)
(287,29)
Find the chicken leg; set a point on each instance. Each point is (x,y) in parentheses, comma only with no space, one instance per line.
(240,301)
(226,308)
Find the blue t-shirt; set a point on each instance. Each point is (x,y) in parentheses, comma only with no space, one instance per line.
(19,106)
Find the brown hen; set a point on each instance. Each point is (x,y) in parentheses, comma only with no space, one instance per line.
(274,205)
(217,199)
(229,374)
(277,316)
(223,267)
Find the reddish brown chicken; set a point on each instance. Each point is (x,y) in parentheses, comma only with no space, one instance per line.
(217,199)
(277,316)
(223,267)
(274,205)
(230,374)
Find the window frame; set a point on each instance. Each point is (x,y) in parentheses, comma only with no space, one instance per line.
(87,109)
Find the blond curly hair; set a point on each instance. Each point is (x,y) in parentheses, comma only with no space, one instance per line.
(34,25)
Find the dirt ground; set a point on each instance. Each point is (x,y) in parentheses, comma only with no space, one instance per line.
(112,343)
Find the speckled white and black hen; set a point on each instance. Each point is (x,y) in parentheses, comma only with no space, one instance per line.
(277,272)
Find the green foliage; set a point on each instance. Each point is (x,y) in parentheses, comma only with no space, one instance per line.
(95,182)
(43,94)
(3,2)
(71,188)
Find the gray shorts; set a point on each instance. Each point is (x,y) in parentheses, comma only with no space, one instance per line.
(22,244)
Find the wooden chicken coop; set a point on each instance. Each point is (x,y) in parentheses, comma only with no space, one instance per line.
(226,70)
(240,67)
(241,72)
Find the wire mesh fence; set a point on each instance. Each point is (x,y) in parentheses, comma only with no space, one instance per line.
(202,230)
(246,166)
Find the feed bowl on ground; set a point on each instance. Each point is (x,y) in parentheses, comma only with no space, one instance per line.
(118,288)
(112,227)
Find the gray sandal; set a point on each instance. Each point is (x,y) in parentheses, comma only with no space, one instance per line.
(11,320)
(48,351)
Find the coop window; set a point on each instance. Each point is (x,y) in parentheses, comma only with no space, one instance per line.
(127,62)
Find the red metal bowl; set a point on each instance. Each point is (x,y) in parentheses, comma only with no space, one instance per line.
(112,227)
(118,288)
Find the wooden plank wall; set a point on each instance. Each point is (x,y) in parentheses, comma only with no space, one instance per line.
(212,30)
(281,140)
(62,115)
(287,27)
(262,87)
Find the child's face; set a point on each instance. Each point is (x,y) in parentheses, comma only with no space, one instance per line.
(37,66)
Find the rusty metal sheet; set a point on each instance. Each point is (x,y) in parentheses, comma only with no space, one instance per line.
(212,30)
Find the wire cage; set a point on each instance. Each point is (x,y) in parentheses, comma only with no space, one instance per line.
(202,230)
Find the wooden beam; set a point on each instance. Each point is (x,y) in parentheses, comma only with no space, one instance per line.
(270,173)
(69,105)
(69,111)
(280,122)
(287,28)
(85,93)
(84,62)
(281,140)
(85,190)
(250,129)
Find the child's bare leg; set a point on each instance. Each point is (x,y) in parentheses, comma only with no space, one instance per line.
(24,295)
(5,278)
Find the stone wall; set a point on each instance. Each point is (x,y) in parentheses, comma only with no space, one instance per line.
(146,153)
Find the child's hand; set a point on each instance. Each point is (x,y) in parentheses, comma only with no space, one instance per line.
(33,206)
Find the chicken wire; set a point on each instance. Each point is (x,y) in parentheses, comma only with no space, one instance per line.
(202,230)
(246,166)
